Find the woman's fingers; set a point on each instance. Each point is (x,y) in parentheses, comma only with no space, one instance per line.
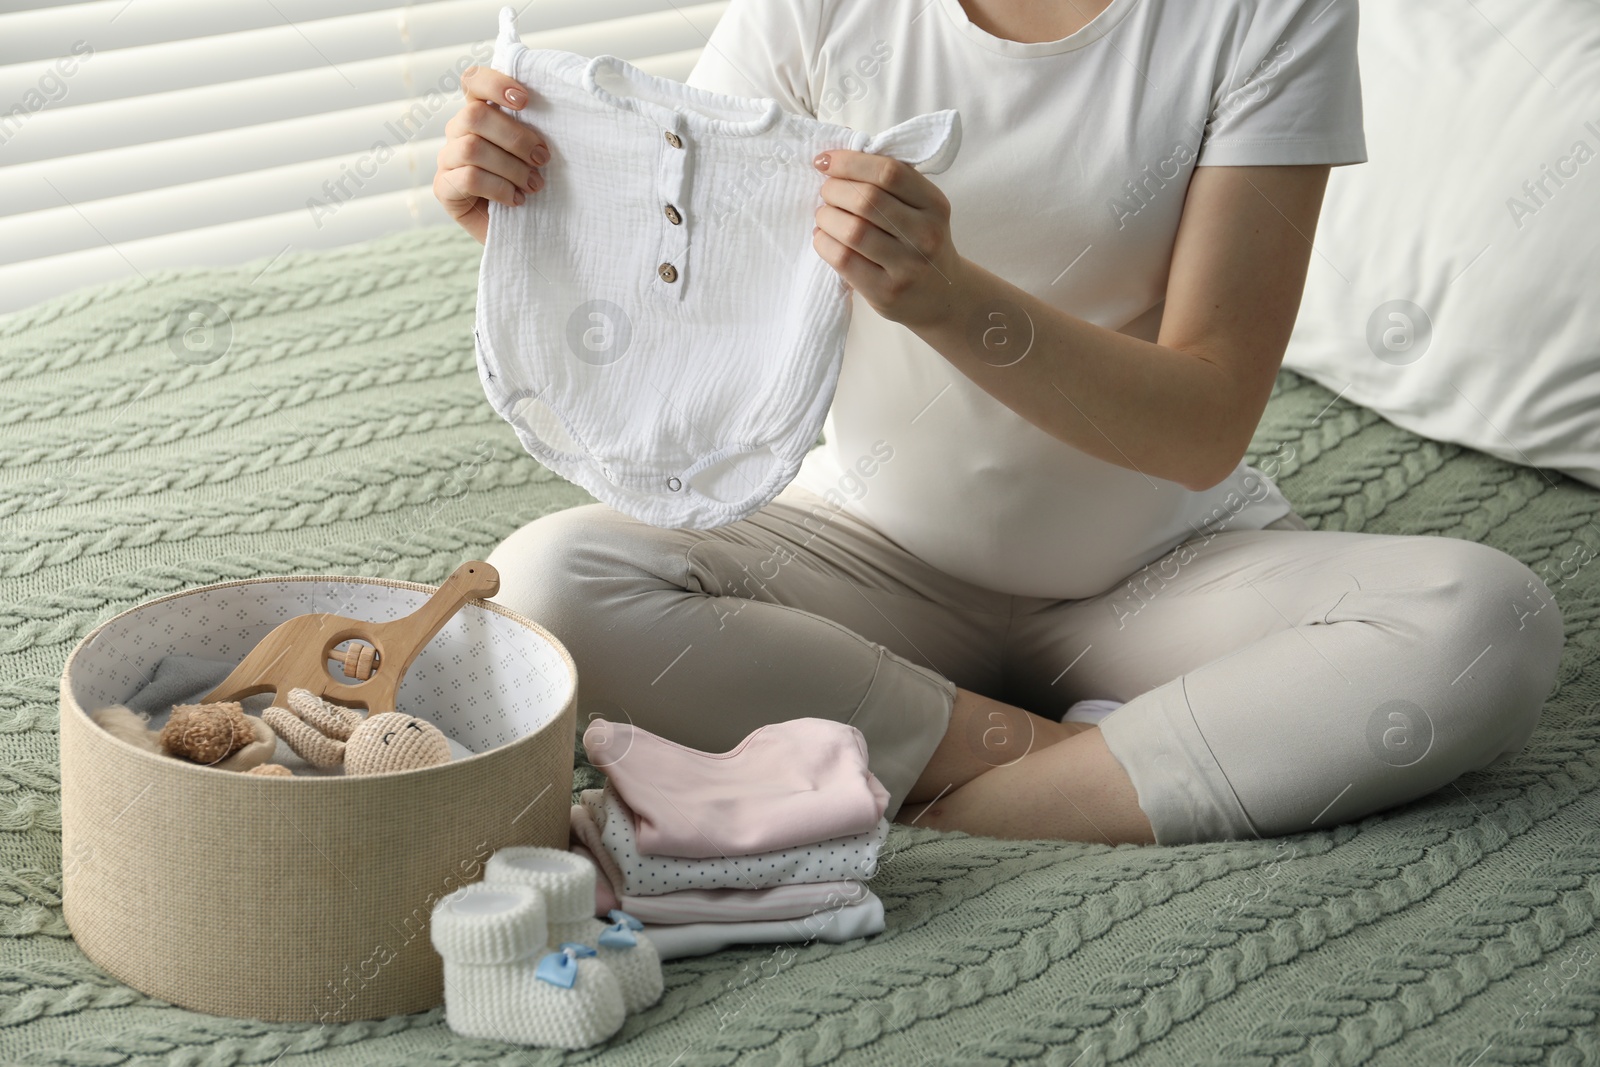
(856,233)
(854,269)
(893,177)
(883,210)
(471,150)
(488,155)
(486,83)
(498,128)
(460,189)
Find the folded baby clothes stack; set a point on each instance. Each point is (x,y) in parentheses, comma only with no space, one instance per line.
(771,841)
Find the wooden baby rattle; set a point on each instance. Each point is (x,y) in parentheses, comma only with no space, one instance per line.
(295,654)
(312,710)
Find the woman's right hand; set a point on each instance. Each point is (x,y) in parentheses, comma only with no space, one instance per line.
(487,154)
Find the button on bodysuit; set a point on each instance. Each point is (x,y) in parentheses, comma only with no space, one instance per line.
(654,323)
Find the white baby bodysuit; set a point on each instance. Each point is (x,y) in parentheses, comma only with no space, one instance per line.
(834,925)
(654,323)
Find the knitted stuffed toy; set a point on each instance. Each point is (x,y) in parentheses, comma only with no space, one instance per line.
(216,735)
(326,735)
(206,733)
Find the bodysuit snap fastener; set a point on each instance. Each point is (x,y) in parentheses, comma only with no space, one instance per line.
(668,272)
(674,140)
(674,484)
(672,215)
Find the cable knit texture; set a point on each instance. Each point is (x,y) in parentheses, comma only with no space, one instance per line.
(345,432)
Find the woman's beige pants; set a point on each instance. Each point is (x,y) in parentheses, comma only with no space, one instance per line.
(1274,680)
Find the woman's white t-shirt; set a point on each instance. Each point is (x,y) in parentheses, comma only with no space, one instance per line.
(1075,158)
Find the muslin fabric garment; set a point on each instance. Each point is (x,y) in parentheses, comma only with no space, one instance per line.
(654,322)
(789,783)
(698,939)
(634,874)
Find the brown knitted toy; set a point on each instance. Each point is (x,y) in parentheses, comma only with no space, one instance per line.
(326,735)
(271,770)
(206,733)
(216,735)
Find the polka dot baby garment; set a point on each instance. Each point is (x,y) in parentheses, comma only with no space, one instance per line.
(654,323)
(850,858)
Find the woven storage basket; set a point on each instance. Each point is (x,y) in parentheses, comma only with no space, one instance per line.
(304,898)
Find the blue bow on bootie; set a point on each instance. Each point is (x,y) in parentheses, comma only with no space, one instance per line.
(620,933)
(561,967)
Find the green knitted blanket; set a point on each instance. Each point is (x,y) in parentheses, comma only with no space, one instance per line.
(343,430)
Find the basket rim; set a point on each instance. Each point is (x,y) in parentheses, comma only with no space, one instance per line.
(67,700)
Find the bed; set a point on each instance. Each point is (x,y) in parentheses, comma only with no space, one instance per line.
(334,423)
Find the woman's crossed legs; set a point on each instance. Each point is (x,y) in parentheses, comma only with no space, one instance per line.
(1273,680)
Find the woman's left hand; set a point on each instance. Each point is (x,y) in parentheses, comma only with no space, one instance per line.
(885,228)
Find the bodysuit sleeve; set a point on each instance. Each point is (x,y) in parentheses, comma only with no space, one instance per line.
(763,48)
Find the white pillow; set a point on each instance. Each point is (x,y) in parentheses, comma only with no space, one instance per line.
(1497,346)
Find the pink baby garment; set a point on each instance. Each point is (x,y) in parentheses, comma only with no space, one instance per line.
(654,322)
(602,823)
(789,783)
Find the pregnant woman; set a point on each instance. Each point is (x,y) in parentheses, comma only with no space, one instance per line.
(1033,490)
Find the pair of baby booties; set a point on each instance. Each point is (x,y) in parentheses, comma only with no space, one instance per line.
(526,961)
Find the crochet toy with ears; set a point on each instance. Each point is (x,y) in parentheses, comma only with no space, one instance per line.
(326,735)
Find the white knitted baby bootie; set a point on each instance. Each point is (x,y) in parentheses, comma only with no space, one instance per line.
(501,982)
(567,882)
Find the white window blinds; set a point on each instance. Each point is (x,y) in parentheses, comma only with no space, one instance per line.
(137,135)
